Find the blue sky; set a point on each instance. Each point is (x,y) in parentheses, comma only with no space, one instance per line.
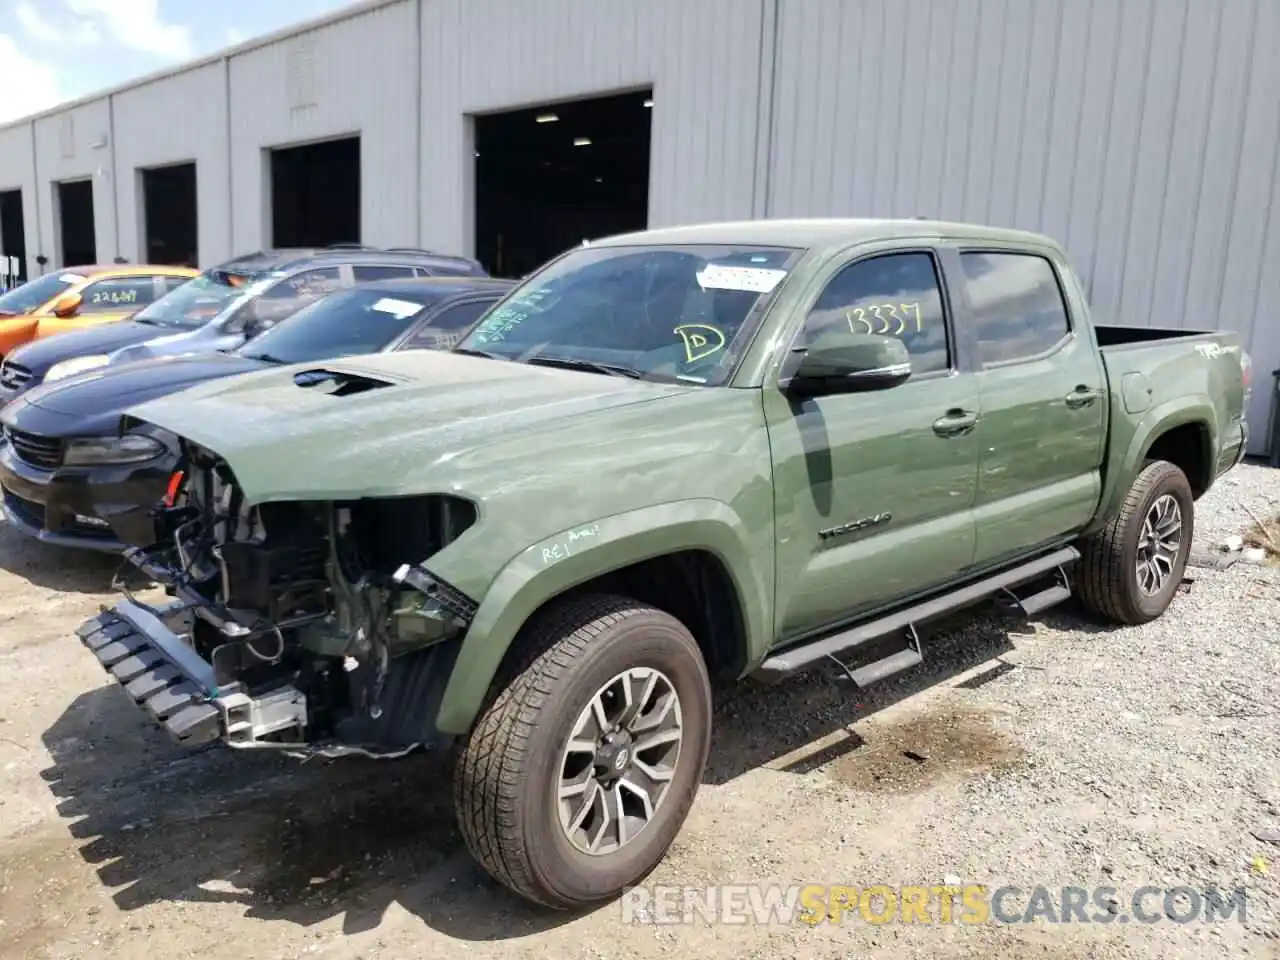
(57,50)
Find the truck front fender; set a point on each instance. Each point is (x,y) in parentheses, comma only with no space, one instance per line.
(572,557)
(1131,441)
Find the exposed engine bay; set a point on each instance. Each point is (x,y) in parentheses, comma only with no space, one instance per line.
(323,632)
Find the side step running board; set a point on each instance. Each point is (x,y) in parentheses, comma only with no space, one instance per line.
(797,659)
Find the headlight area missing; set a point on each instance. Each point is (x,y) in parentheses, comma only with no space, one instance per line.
(327,598)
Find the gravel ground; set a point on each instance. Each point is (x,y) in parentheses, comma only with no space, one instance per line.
(1054,753)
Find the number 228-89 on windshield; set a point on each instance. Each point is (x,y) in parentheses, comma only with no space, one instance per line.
(895,318)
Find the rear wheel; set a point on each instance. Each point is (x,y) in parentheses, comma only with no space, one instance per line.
(576,781)
(1130,570)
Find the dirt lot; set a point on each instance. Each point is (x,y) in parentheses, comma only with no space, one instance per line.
(1055,753)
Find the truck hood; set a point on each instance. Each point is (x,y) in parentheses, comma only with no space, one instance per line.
(378,425)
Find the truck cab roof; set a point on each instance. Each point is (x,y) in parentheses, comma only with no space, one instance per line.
(813,232)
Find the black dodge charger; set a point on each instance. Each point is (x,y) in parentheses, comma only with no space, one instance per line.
(69,478)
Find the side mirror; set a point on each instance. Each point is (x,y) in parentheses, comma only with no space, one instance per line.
(260,315)
(68,306)
(840,362)
(255,326)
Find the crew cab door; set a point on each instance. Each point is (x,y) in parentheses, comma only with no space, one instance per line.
(1043,389)
(874,491)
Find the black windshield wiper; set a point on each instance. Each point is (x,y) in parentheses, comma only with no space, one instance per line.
(612,369)
(266,358)
(467,351)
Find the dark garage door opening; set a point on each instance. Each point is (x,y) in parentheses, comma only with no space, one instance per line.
(315,194)
(75,221)
(13,232)
(169,215)
(549,177)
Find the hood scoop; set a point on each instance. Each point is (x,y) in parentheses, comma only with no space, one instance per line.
(337,383)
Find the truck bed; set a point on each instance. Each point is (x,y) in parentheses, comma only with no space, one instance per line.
(1156,373)
(1110,335)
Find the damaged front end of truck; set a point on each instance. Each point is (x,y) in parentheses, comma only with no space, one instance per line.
(309,627)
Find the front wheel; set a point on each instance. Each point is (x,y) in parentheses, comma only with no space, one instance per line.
(1130,570)
(576,781)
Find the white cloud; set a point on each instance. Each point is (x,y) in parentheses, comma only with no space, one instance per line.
(29,85)
(39,27)
(235,36)
(137,24)
(35,25)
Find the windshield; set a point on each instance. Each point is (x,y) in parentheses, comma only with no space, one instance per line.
(197,301)
(664,312)
(343,324)
(36,293)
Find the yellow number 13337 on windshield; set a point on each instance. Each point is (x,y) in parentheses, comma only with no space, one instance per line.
(892,318)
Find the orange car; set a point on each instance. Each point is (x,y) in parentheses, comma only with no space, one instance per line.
(80,297)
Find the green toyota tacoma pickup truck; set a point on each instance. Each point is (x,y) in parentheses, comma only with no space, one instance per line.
(666,458)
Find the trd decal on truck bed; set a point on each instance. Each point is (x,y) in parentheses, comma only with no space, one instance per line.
(855,525)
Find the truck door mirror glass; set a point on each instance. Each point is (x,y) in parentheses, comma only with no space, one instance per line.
(840,362)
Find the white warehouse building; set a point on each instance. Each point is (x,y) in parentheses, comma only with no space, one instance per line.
(1142,134)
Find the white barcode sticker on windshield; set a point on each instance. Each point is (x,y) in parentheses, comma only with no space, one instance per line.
(399,308)
(748,279)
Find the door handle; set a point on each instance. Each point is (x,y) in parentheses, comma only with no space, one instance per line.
(1081,396)
(955,422)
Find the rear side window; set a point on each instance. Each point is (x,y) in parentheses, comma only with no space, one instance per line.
(1018,310)
(119,295)
(447,270)
(895,294)
(367,272)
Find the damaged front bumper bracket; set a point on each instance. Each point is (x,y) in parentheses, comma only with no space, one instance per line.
(157,669)
(178,688)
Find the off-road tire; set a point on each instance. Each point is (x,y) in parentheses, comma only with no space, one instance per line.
(509,767)
(1107,582)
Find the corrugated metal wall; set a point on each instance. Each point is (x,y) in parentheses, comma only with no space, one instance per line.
(18,172)
(355,76)
(176,120)
(1142,134)
(703,59)
(74,145)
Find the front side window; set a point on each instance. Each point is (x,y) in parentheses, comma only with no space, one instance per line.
(197,301)
(447,327)
(1017,305)
(894,294)
(284,298)
(118,295)
(309,284)
(672,312)
(169,284)
(348,323)
(36,293)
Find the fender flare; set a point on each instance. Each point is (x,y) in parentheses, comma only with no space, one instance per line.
(583,552)
(1157,421)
